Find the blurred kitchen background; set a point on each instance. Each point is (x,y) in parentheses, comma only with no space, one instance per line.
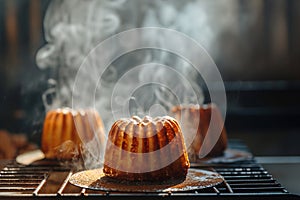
(255,45)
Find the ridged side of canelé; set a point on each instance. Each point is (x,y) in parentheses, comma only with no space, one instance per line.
(142,136)
(60,137)
(189,116)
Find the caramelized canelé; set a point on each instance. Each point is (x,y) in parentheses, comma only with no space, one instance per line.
(198,118)
(146,150)
(64,129)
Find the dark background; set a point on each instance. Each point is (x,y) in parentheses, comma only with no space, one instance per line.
(259,64)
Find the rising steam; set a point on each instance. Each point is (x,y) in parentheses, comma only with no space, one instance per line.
(74,28)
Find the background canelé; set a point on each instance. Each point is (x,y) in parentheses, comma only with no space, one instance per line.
(61,139)
(161,135)
(198,118)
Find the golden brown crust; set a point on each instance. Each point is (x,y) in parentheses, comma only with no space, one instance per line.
(146,136)
(190,117)
(60,138)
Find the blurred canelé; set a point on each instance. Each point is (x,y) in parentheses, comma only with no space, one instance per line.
(66,129)
(198,118)
(148,149)
(14,144)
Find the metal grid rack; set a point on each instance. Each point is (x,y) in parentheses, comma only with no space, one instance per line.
(47,179)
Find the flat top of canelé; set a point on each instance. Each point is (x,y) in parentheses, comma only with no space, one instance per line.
(193,107)
(148,119)
(66,110)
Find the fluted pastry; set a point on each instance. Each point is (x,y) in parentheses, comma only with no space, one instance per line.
(198,118)
(66,129)
(146,150)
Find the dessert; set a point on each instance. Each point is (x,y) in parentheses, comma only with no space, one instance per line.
(198,118)
(66,129)
(148,149)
